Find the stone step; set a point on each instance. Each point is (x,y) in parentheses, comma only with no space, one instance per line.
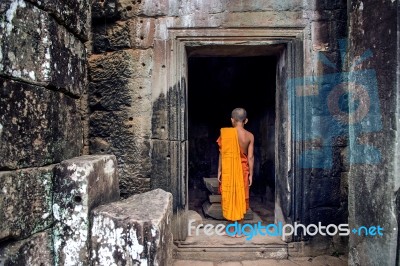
(214,210)
(290,261)
(212,184)
(202,247)
(214,198)
(230,253)
(135,230)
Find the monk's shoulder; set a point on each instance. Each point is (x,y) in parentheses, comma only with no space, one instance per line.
(249,135)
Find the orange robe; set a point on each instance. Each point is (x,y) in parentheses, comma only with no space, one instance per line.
(234,186)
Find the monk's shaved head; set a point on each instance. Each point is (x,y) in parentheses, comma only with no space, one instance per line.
(239,114)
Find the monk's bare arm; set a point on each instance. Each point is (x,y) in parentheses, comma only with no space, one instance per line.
(219,168)
(251,158)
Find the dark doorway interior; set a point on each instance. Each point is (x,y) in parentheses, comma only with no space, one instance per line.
(216,86)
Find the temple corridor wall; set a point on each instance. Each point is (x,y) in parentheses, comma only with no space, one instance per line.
(374,188)
(43,82)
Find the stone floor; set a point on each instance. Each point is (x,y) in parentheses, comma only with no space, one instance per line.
(219,248)
(226,251)
(295,261)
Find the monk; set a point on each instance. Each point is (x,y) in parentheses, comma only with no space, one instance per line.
(235,167)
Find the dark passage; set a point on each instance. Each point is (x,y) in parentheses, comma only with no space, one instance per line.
(216,86)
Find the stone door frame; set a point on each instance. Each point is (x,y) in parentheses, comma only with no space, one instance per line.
(174,52)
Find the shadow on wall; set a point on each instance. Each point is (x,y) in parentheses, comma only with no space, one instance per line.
(169,141)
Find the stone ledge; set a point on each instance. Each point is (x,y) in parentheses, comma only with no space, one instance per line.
(137,229)
(212,185)
(80,184)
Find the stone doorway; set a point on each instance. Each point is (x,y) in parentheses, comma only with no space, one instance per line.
(220,78)
(216,85)
(170,152)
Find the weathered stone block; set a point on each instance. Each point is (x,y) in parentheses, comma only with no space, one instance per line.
(80,184)
(133,231)
(328,155)
(265,19)
(246,6)
(316,246)
(48,55)
(323,123)
(176,104)
(111,36)
(134,185)
(125,136)
(104,10)
(169,169)
(344,186)
(125,9)
(37,126)
(25,202)
(212,184)
(320,35)
(178,172)
(126,64)
(214,198)
(161,165)
(159,119)
(196,20)
(73,14)
(180,224)
(325,192)
(191,10)
(327,5)
(325,215)
(135,33)
(35,250)
(121,94)
(120,126)
(341,141)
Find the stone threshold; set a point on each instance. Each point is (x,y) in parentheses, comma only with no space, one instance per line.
(233,253)
(203,247)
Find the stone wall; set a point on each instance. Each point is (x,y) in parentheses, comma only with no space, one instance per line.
(43,75)
(123,96)
(48,188)
(324,158)
(80,185)
(373,188)
(120,90)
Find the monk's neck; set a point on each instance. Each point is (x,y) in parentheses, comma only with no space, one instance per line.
(238,125)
